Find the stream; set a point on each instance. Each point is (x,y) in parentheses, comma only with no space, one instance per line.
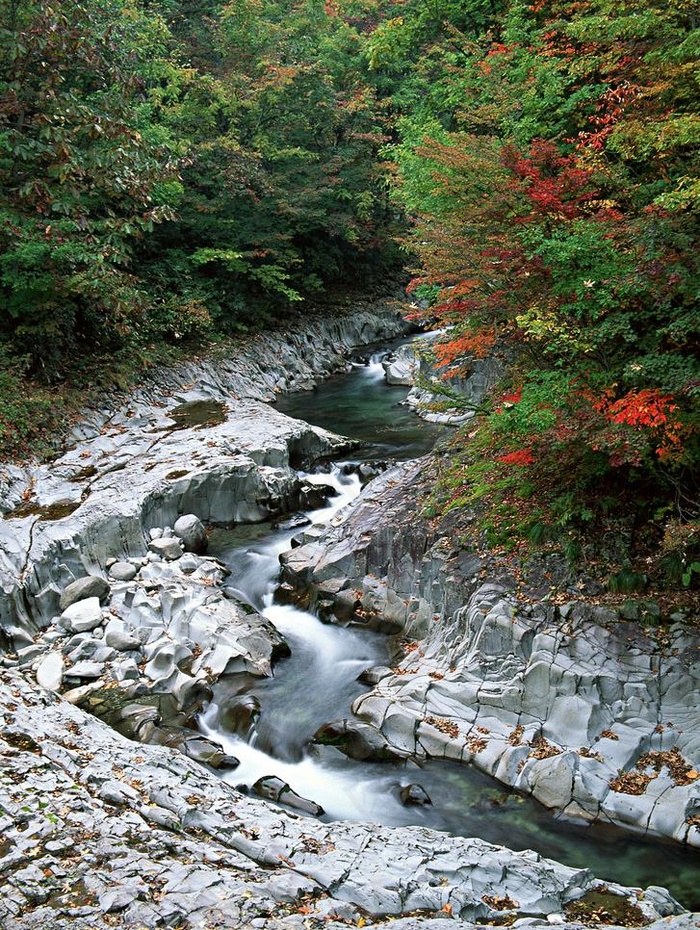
(318,682)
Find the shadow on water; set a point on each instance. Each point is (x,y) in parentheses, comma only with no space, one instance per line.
(361,405)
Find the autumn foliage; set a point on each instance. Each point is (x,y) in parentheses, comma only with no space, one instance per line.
(555,219)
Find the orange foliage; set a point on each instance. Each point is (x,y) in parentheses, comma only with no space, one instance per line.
(476,344)
(647,409)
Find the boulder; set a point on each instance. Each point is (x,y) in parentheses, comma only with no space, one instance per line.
(49,674)
(123,571)
(168,548)
(402,366)
(82,616)
(190,529)
(122,640)
(414,796)
(83,588)
(357,740)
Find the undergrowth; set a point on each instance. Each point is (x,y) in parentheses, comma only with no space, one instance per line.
(563,498)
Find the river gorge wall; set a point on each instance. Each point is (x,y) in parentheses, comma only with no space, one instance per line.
(98,830)
(579,705)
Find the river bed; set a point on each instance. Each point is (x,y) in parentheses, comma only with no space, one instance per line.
(318,682)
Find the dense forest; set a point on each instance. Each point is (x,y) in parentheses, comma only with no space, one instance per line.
(174,172)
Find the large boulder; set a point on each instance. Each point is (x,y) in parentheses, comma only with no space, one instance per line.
(190,530)
(82,616)
(82,588)
(167,547)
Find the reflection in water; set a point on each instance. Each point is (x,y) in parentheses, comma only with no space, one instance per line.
(277,717)
(363,406)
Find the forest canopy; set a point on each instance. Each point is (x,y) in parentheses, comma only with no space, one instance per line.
(171,171)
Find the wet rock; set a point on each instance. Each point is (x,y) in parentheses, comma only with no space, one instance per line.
(137,721)
(293,522)
(414,796)
(208,752)
(190,529)
(239,715)
(358,741)
(82,588)
(372,676)
(313,495)
(402,366)
(275,789)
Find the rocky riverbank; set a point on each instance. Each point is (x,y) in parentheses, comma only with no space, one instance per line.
(110,600)
(100,832)
(582,706)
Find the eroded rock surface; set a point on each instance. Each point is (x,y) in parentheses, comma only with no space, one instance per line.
(198,441)
(591,714)
(98,832)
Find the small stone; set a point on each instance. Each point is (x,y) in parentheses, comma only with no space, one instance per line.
(123,571)
(83,588)
(156,532)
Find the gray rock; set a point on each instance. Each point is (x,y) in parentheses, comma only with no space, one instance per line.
(49,673)
(188,564)
(82,616)
(86,670)
(275,789)
(123,571)
(122,641)
(402,366)
(190,529)
(82,588)
(166,547)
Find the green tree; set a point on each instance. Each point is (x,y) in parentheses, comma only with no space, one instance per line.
(80,179)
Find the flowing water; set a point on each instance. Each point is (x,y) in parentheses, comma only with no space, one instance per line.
(318,682)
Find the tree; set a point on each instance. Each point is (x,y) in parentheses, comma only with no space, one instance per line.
(80,180)
(558,213)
